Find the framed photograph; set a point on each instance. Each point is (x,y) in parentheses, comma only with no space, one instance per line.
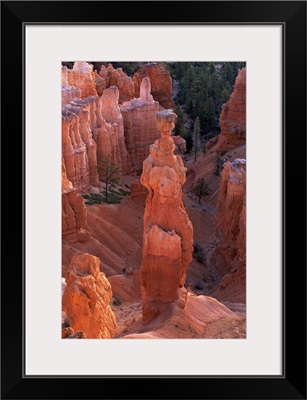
(163,151)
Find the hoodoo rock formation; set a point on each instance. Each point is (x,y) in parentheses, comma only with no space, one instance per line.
(233,116)
(117,77)
(74,152)
(86,298)
(110,112)
(82,109)
(140,124)
(230,253)
(82,77)
(73,212)
(161,83)
(68,92)
(92,128)
(168,232)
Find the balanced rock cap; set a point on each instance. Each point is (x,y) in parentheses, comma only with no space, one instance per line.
(166,115)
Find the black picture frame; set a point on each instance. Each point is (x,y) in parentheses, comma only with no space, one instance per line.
(292,16)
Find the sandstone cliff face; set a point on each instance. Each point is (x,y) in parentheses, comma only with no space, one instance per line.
(74,213)
(161,83)
(86,298)
(82,77)
(140,124)
(230,253)
(233,116)
(168,232)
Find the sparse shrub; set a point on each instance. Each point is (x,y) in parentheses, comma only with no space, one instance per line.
(201,189)
(94,198)
(123,192)
(110,175)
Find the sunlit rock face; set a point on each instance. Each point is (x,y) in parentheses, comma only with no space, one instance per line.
(111,139)
(86,298)
(74,152)
(68,92)
(74,214)
(82,77)
(110,76)
(140,125)
(92,128)
(168,232)
(161,83)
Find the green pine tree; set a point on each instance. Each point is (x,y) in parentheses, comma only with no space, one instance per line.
(196,137)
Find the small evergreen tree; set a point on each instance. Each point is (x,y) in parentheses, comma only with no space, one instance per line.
(109,174)
(201,189)
(187,136)
(226,92)
(218,162)
(179,129)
